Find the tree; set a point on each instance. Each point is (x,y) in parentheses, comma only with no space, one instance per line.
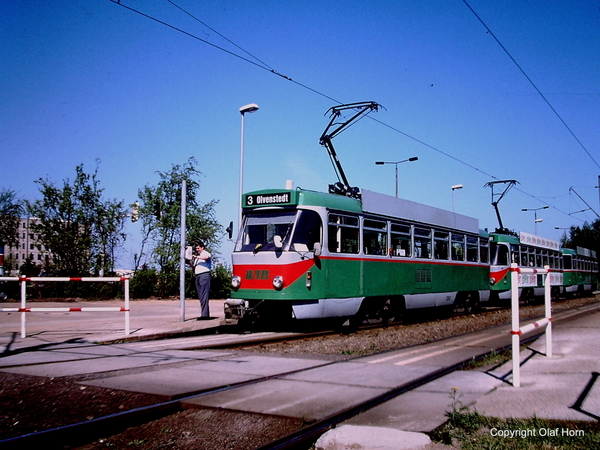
(160,215)
(587,236)
(10,213)
(78,227)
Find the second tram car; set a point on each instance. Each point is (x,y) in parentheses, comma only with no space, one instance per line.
(580,270)
(527,251)
(306,255)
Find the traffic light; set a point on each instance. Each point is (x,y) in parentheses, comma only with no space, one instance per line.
(135,211)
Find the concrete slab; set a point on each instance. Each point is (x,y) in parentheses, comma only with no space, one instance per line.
(262,366)
(548,396)
(299,399)
(413,411)
(357,437)
(424,409)
(209,374)
(361,374)
(91,365)
(46,357)
(564,364)
(441,354)
(172,382)
(471,382)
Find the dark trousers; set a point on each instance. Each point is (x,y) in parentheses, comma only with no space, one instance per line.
(203,289)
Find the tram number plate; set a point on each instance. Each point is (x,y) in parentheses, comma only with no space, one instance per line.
(257,274)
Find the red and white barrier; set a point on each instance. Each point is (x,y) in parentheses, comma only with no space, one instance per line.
(516,331)
(24,309)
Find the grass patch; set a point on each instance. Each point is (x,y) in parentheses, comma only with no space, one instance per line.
(472,431)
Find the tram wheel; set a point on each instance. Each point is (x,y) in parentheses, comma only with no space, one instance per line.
(527,297)
(391,311)
(467,303)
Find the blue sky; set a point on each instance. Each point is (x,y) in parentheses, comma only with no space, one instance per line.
(90,79)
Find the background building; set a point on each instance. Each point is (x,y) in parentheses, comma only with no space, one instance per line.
(28,251)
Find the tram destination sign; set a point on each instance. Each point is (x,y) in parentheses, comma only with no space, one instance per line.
(276,198)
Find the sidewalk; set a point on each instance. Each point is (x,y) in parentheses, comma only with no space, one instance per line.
(564,387)
(148,319)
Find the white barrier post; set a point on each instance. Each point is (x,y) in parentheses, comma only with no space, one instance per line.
(548,312)
(23,282)
(516,331)
(516,341)
(126,289)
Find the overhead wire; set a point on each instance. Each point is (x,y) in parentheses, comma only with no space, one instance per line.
(215,31)
(532,84)
(262,65)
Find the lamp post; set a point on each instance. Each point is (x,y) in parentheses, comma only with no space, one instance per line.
(380,163)
(535,210)
(454,188)
(252,107)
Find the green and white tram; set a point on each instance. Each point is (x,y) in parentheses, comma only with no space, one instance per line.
(305,255)
(580,270)
(526,250)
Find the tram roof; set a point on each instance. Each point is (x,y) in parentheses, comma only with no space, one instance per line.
(376,203)
(371,202)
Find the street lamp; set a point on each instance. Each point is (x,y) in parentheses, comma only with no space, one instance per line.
(252,107)
(535,210)
(454,188)
(380,163)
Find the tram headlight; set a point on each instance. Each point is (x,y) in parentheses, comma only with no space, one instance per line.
(236,282)
(278,282)
(492,281)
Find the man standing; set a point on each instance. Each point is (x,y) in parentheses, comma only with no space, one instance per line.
(201,262)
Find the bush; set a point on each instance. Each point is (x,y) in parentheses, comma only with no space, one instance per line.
(143,283)
(147,283)
(220,285)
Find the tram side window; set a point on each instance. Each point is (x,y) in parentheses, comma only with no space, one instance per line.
(307,231)
(523,258)
(484,250)
(500,254)
(458,247)
(440,244)
(400,239)
(343,234)
(375,237)
(515,255)
(422,239)
(538,258)
(472,249)
(567,262)
(557,260)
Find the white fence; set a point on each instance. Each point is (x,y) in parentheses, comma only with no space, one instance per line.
(516,330)
(23,309)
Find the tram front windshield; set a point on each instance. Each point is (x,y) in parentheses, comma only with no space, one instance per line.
(277,231)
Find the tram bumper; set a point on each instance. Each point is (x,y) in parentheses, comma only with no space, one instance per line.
(235,310)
